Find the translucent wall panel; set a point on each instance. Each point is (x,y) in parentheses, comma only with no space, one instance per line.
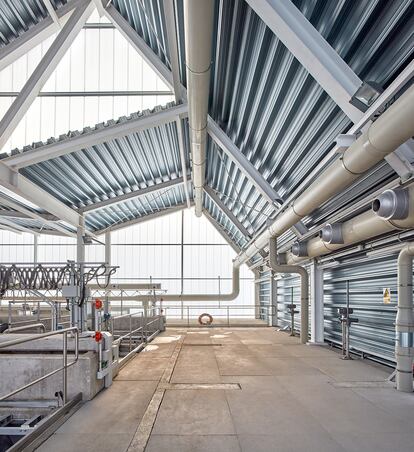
(152,251)
(98,60)
(15,247)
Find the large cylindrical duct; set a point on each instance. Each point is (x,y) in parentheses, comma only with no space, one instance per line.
(393,128)
(194,297)
(304,287)
(363,227)
(404,325)
(198,26)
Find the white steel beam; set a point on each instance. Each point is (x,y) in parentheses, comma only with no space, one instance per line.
(229,214)
(36,34)
(21,186)
(100,7)
(183,160)
(311,50)
(241,161)
(143,219)
(132,195)
(94,137)
(220,230)
(123,26)
(47,219)
(52,12)
(13,225)
(171,27)
(179,91)
(43,71)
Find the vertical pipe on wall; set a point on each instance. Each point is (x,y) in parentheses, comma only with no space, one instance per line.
(404,325)
(304,287)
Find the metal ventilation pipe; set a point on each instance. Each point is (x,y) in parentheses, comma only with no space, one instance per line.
(198,26)
(392,204)
(198,297)
(377,221)
(393,128)
(304,287)
(404,325)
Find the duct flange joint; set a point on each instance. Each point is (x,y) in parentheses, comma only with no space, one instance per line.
(300,249)
(392,204)
(332,233)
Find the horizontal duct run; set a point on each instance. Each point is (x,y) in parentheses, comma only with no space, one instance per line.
(362,227)
(393,128)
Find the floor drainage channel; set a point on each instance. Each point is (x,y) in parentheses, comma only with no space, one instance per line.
(210,386)
(362,384)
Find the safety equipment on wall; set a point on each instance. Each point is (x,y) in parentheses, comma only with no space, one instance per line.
(205,319)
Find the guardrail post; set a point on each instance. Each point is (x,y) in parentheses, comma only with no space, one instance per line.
(130,331)
(65,369)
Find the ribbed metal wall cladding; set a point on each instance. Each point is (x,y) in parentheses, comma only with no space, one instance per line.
(374,333)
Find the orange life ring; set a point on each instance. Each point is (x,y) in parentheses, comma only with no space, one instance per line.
(208,321)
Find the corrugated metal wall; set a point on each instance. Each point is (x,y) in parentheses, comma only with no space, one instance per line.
(374,334)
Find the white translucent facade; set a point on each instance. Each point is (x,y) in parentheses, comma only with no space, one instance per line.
(151,251)
(100,59)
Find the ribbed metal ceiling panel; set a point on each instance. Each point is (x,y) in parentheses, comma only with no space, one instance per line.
(136,208)
(264,100)
(17,16)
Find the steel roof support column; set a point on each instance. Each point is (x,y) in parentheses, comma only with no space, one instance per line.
(35,249)
(43,71)
(273,298)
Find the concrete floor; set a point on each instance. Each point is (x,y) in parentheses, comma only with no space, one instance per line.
(288,397)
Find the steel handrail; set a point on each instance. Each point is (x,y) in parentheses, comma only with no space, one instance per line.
(63,368)
(13,329)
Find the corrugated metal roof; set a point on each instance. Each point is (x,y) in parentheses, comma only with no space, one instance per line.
(114,168)
(18,16)
(265,101)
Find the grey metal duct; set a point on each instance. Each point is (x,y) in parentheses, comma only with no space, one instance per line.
(404,325)
(363,227)
(195,297)
(393,128)
(392,204)
(198,26)
(304,287)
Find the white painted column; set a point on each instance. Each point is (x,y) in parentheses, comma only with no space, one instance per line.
(317,311)
(273,298)
(80,260)
(35,248)
(108,258)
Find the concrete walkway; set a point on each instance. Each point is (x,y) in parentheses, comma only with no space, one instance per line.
(252,390)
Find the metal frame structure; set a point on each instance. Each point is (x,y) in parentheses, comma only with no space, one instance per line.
(258,167)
